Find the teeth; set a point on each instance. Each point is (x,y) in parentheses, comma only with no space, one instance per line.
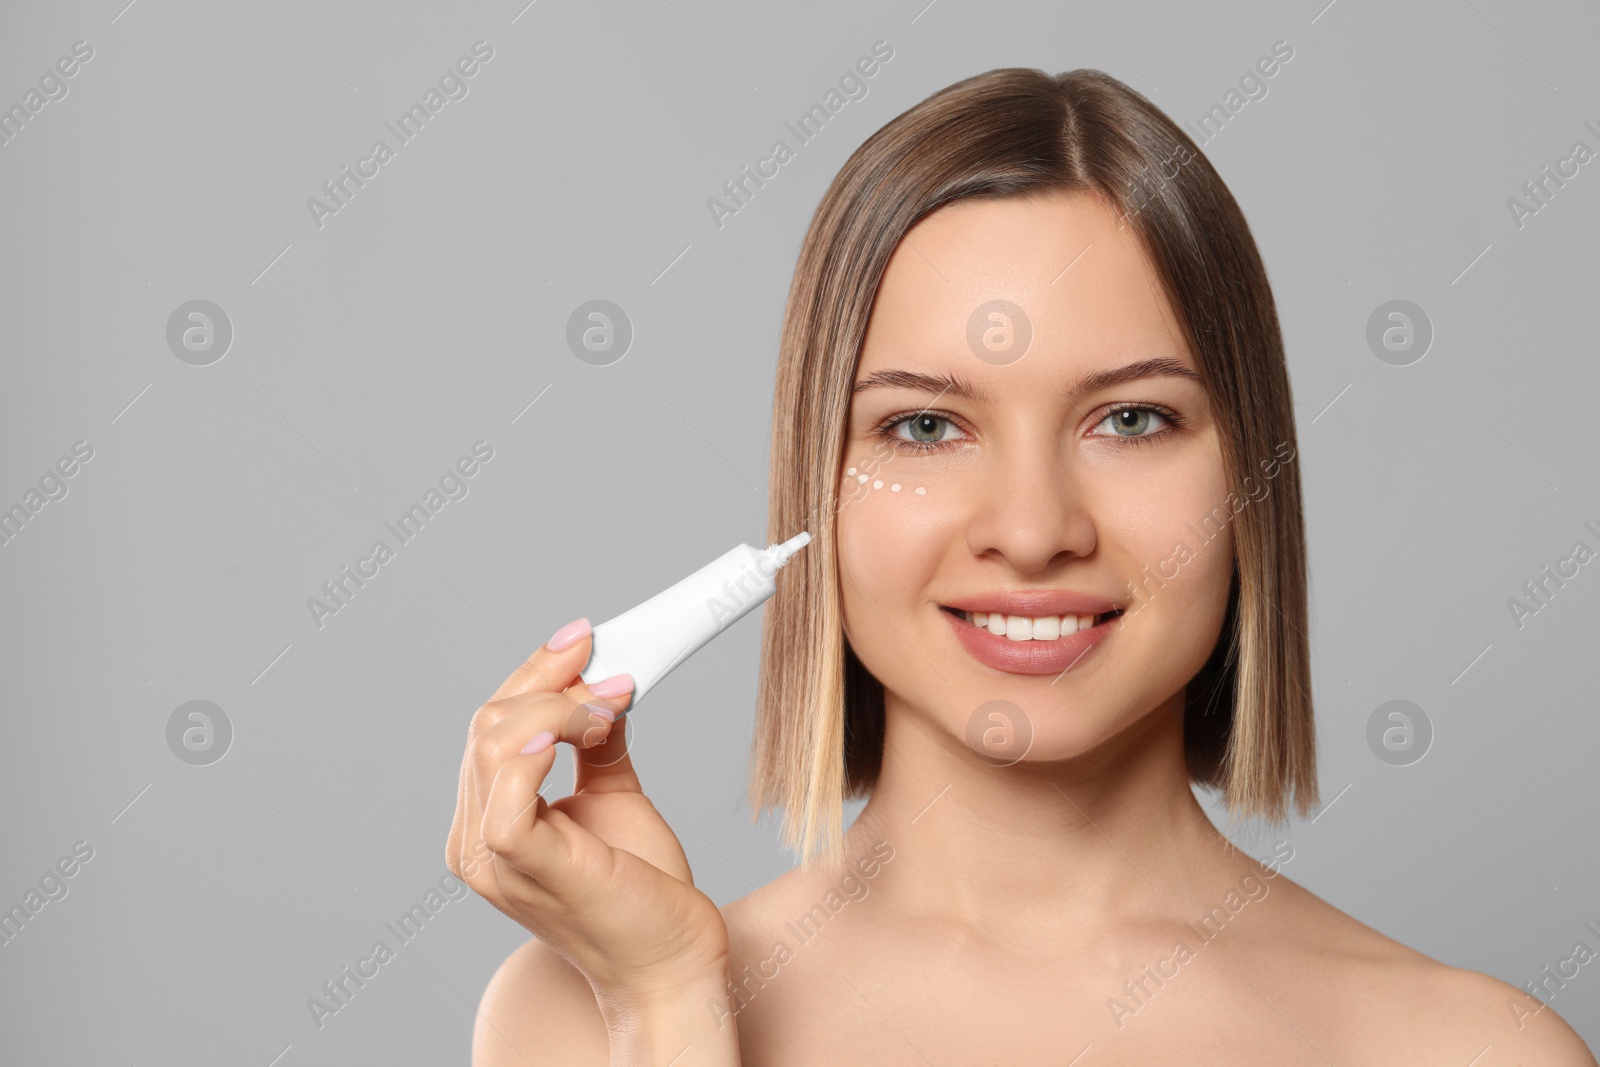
(1025,628)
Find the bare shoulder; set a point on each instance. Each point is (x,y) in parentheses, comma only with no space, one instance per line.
(754,917)
(1390,1003)
(538,1009)
(757,917)
(762,936)
(1516,1026)
(1455,1011)
(750,918)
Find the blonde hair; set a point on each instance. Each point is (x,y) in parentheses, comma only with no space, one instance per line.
(1017,132)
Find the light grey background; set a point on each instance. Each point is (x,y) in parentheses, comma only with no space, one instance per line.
(431,311)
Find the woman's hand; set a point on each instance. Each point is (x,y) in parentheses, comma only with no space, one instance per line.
(598,876)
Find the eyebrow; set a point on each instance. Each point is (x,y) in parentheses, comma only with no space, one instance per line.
(1159,367)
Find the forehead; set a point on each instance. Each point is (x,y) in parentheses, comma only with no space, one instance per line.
(1090,293)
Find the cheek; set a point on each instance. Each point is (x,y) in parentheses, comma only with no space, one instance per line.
(1175,544)
(892,528)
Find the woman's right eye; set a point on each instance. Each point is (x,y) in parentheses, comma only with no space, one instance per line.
(926,431)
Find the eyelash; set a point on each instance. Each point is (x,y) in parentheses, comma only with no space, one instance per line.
(885,429)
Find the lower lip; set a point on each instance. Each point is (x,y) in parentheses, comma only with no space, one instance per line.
(1027,657)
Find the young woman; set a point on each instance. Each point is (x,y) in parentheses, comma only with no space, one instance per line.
(1033,407)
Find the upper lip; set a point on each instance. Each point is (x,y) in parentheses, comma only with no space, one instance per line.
(1034,603)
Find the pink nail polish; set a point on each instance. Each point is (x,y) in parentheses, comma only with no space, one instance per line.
(568,635)
(539,742)
(614,686)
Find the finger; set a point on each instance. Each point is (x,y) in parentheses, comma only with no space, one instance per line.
(523,830)
(539,719)
(452,842)
(470,859)
(522,724)
(465,852)
(554,664)
(475,858)
(604,765)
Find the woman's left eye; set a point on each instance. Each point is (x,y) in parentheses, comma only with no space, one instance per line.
(1130,421)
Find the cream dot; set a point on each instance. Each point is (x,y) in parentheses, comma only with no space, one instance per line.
(921,491)
(862,478)
(877,483)
(895,488)
(851,472)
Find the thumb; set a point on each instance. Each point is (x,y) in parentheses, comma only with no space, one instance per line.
(603,761)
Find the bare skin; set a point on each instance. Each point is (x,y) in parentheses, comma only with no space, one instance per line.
(1050,907)
(1285,978)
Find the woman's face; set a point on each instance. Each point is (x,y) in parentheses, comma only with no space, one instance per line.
(1029,477)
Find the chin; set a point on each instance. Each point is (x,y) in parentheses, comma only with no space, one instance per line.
(1008,731)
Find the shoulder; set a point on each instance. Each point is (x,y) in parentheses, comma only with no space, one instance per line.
(538,1009)
(757,917)
(762,934)
(1509,1024)
(750,918)
(761,903)
(1391,1003)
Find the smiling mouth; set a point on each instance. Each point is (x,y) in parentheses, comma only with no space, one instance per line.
(1021,628)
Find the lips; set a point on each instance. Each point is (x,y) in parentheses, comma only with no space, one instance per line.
(1035,657)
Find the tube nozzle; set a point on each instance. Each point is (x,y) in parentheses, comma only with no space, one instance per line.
(777,555)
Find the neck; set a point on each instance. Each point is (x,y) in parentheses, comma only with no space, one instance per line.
(1035,847)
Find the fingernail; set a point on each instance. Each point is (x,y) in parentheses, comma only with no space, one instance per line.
(539,742)
(568,635)
(614,686)
(604,712)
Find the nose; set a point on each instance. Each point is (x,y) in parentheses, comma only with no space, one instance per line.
(1028,511)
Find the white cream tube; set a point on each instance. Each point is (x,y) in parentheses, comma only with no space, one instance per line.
(648,641)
